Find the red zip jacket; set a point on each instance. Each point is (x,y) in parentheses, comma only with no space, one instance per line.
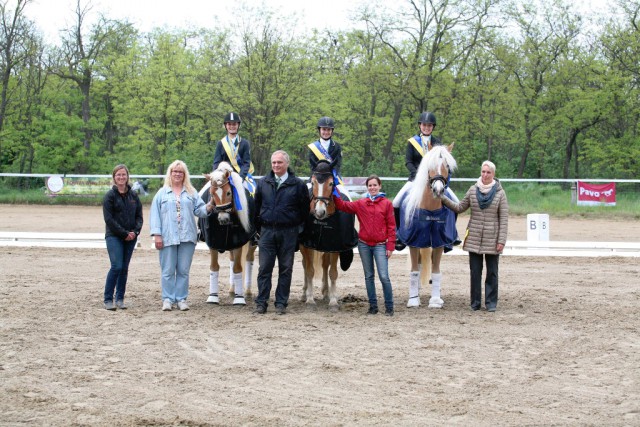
(377,223)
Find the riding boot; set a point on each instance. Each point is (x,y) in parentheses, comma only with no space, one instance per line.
(214,287)
(436,301)
(248,276)
(237,283)
(399,245)
(414,289)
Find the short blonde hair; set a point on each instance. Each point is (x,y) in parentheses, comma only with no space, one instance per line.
(187,176)
(490,164)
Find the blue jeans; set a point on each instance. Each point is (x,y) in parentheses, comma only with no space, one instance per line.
(378,253)
(120,252)
(281,244)
(175,263)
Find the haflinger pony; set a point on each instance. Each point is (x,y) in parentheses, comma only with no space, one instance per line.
(229,228)
(426,226)
(327,233)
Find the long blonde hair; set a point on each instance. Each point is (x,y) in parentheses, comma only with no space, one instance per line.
(187,177)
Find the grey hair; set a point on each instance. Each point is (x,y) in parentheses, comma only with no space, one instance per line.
(490,164)
(283,153)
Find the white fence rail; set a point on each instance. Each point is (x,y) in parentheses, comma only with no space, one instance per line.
(512,248)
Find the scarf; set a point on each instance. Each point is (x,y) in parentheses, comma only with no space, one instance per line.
(485,193)
(372,198)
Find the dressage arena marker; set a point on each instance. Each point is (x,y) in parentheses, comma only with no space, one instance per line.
(538,227)
(512,247)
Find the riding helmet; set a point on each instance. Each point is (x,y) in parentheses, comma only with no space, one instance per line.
(427,117)
(326,122)
(232,118)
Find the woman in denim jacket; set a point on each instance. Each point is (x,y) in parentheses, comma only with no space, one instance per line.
(175,233)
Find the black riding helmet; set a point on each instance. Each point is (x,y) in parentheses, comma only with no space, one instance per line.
(232,118)
(326,122)
(427,117)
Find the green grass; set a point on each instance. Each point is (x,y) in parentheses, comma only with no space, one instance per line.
(524,199)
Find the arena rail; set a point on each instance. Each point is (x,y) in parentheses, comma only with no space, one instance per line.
(512,248)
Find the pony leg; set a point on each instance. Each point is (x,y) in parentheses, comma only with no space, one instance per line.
(231,268)
(214,285)
(239,294)
(333,276)
(326,260)
(308,256)
(414,279)
(248,268)
(436,280)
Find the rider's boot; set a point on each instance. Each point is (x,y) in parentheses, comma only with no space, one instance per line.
(414,289)
(435,301)
(214,287)
(237,283)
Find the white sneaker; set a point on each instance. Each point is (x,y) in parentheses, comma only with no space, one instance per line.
(213,299)
(166,305)
(182,305)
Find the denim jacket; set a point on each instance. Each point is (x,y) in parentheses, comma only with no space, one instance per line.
(164,218)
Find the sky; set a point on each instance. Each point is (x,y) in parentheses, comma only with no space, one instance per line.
(53,15)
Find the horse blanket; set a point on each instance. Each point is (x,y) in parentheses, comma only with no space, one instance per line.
(429,229)
(334,234)
(226,237)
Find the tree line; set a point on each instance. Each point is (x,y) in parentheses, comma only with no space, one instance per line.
(534,87)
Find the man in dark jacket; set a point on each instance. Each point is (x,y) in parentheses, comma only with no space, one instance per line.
(281,206)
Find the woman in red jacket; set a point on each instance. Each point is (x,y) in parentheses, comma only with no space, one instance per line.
(376,239)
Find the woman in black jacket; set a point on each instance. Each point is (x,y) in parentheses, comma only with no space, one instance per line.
(122,212)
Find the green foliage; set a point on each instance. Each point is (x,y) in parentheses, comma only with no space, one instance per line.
(539,96)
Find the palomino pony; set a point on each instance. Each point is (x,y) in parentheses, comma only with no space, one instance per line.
(426,226)
(229,228)
(326,234)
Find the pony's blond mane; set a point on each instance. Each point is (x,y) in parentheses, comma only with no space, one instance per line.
(438,159)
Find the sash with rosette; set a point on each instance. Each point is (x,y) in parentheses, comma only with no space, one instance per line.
(322,154)
(233,159)
(417,143)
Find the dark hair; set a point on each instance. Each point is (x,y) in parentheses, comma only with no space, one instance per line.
(116,169)
(376,177)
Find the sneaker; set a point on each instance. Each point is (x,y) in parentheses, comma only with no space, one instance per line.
(166,305)
(182,305)
(121,305)
(260,309)
(109,305)
(388,312)
(373,310)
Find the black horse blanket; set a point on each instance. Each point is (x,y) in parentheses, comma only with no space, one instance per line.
(226,237)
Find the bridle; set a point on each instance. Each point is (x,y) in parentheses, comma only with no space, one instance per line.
(227,207)
(321,199)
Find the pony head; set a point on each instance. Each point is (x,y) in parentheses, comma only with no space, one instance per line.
(227,192)
(322,205)
(432,178)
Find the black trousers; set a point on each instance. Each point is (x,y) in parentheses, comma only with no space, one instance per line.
(490,283)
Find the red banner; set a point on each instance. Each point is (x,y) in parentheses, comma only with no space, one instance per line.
(596,194)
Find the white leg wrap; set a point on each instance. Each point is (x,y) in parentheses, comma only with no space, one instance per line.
(248,273)
(414,289)
(237,283)
(214,287)
(231,273)
(436,301)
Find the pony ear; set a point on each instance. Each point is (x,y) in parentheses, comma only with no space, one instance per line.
(450,147)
